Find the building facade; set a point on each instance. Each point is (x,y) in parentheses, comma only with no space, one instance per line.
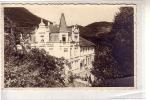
(63,41)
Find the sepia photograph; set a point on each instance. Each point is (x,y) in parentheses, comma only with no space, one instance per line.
(82,45)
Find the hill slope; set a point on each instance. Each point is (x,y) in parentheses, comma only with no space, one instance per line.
(22,16)
(96,29)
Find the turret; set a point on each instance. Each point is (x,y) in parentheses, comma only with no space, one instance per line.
(41,23)
(62,25)
(63,30)
(75,33)
(42,33)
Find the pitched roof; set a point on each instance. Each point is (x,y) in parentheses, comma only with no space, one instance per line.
(54,29)
(84,42)
(62,25)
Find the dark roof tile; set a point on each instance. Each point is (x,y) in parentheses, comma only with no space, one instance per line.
(84,42)
(54,28)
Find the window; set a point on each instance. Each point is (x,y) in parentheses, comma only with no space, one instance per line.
(76,37)
(42,40)
(71,52)
(42,36)
(65,49)
(64,38)
(81,65)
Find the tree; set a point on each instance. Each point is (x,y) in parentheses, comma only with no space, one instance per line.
(29,69)
(114,59)
(34,69)
(123,40)
(104,66)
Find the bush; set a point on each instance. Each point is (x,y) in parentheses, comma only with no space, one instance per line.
(34,69)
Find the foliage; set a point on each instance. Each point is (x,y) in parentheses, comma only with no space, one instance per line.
(104,66)
(123,40)
(114,52)
(96,29)
(34,69)
(22,16)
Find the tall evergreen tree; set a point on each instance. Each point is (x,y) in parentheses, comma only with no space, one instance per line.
(123,40)
(116,59)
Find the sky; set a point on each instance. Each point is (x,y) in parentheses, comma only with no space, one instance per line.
(76,14)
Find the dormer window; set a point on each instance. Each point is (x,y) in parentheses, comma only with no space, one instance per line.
(65,49)
(64,38)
